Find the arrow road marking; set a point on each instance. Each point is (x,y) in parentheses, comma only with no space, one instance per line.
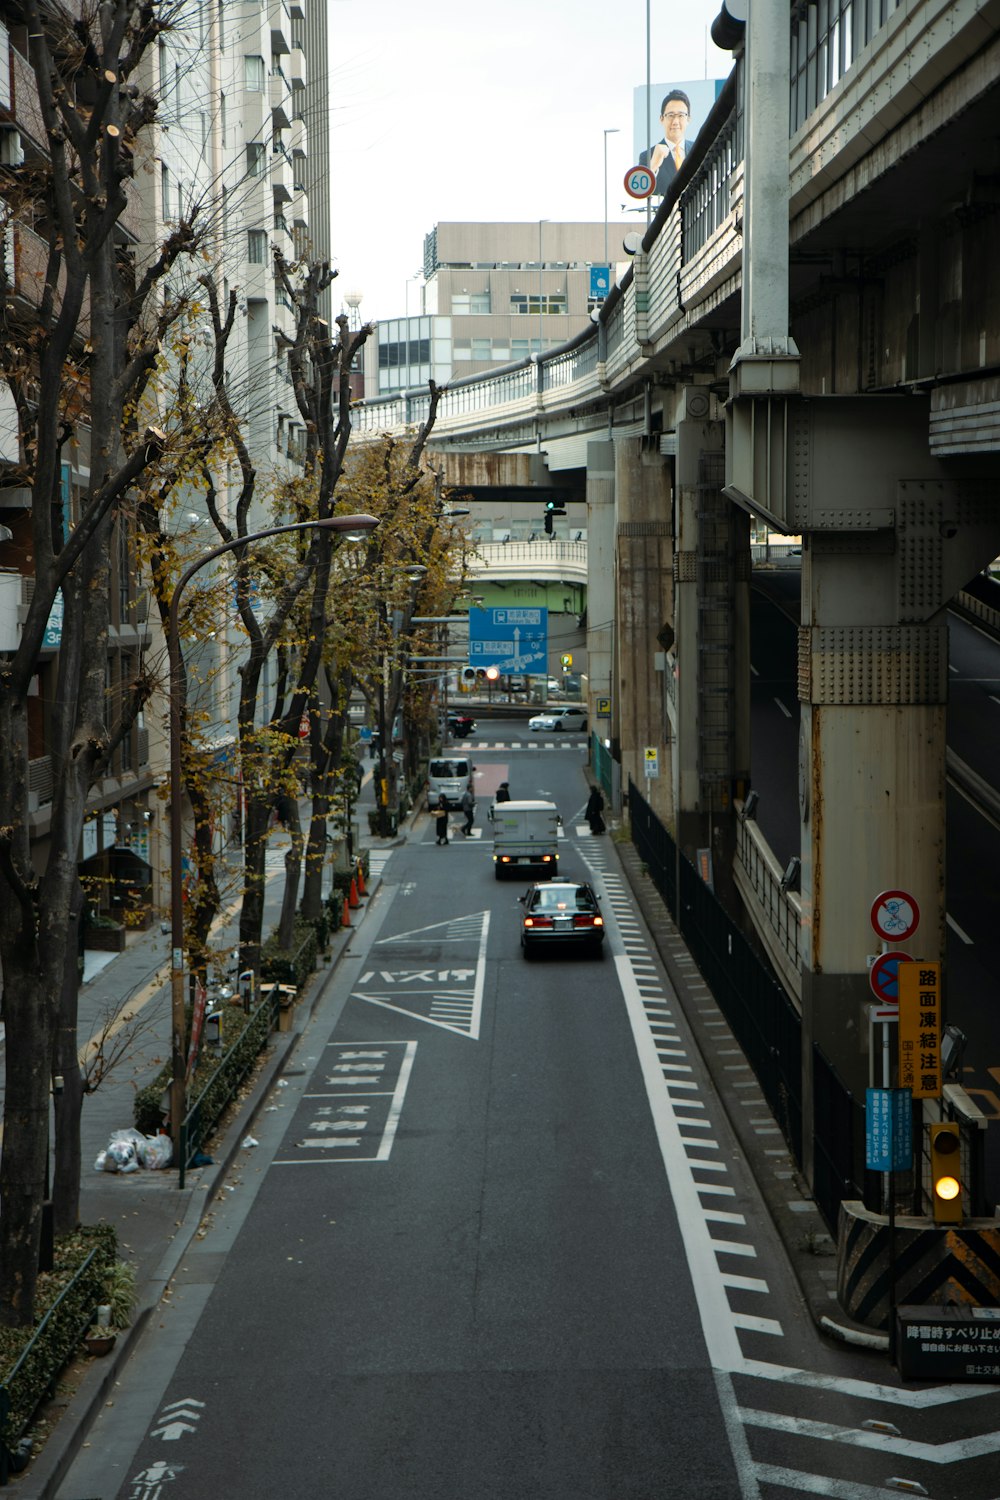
(172,1431)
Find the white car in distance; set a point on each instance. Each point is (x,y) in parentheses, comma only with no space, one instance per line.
(571,720)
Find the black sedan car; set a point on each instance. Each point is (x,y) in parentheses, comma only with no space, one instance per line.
(561,914)
(461,724)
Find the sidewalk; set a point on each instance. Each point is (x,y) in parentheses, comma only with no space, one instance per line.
(156,1220)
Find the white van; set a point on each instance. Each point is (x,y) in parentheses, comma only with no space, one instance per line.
(525,838)
(449,774)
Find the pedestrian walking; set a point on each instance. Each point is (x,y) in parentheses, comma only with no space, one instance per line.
(469,808)
(441,819)
(503,792)
(592,812)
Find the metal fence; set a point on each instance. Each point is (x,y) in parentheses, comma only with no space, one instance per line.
(837,1117)
(762,1018)
(204,1113)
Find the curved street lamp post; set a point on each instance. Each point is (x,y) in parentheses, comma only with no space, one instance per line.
(360,524)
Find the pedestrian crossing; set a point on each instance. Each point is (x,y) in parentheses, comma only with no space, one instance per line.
(561,742)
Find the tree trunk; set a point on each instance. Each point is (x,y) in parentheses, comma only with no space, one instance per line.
(312,885)
(67,1097)
(258,815)
(293,870)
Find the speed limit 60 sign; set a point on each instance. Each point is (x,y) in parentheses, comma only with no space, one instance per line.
(639,182)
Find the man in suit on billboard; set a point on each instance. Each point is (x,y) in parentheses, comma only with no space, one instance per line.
(667,156)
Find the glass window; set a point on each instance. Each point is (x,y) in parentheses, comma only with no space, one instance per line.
(257,247)
(165,190)
(255,159)
(254,74)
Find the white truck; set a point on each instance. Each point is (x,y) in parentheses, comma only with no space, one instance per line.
(525,838)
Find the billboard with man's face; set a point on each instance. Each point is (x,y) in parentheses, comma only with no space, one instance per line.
(665,127)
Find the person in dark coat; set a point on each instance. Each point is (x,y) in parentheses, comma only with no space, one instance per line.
(441,819)
(468,808)
(503,792)
(592,812)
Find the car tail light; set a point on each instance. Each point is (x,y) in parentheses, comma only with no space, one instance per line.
(538,921)
(546,859)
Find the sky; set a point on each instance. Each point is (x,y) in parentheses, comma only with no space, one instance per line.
(473,110)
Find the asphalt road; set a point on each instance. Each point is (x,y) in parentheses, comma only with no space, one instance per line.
(497,1239)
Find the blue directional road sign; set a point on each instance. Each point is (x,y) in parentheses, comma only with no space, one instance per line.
(888,1130)
(511,639)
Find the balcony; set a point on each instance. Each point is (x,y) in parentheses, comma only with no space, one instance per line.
(297,138)
(282,178)
(281,26)
(280,96)
(299,212)
(295,69)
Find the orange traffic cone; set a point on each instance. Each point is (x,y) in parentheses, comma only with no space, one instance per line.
(352,899)
(345,919)
(362,889)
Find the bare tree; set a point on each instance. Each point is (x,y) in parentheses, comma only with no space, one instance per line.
(77,356)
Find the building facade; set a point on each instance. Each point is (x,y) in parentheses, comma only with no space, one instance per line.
(494,294)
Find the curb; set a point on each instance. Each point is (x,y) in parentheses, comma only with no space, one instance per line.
(44,1475)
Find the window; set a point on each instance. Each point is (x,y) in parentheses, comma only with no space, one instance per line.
(165,190)
(255,159)
(477,303)
(254,74)
(482,348)
(257,247)
(528,305)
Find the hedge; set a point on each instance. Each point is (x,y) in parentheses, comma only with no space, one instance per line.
(65,1301)
(290,965)
(147,1106)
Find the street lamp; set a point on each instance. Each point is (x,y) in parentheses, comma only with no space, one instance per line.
(357,524)
(612,131)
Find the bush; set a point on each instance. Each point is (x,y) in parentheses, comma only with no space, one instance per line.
(292,965)
(59,1327)
(147,1106)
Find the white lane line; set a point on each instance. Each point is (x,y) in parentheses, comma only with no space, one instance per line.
(706,1166)
(716,1316)
(719,1216)
(818,1484)
(717,1189)
(882,1442)
(959,930)
(744,1283)
(734,1247)
(758,1325)
(846,1385)
(691,1140)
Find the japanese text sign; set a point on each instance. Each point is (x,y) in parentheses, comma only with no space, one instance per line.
(920,1029)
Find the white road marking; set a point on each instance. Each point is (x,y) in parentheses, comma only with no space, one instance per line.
(959,930)
(734,1247)
(818,1484)
(881,1442)
(890,1395)
(758,1325)
(744,1283)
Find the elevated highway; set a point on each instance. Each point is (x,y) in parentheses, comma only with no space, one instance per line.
(806,343)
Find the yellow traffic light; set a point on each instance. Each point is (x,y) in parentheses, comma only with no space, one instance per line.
(946,1173)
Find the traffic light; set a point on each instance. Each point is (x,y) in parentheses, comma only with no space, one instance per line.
(946,1169)
(552,509)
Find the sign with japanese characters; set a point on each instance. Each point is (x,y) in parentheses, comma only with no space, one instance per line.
(920,1029)
(948,1343)
(888,1130)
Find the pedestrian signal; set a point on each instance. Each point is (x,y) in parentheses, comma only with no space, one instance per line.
(946,1170)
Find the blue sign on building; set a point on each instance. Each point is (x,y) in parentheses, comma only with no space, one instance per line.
(512,640)
(888,1130)
(600,282)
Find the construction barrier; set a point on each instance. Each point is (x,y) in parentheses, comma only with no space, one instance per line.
(352,898)
(345,916)
(362,888)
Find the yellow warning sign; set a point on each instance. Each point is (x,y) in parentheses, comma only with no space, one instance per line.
(920,1029)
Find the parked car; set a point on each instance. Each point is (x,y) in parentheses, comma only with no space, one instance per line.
(461,724)
(569,720)
(561,914)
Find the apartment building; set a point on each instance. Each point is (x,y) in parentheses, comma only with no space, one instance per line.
(230,147)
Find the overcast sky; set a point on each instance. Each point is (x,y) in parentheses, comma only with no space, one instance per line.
(469,110)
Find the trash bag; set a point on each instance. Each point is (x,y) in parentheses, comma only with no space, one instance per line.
(156,1152)
(121,1155)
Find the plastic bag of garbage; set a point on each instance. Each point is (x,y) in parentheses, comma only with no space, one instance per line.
(122,1154)
(156,1152)
(99,1163)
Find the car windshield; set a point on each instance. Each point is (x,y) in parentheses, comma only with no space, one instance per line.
(563,898)
(449,768)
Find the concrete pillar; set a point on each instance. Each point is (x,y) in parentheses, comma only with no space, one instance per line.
(711,655)
(600,583)
(644,609)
